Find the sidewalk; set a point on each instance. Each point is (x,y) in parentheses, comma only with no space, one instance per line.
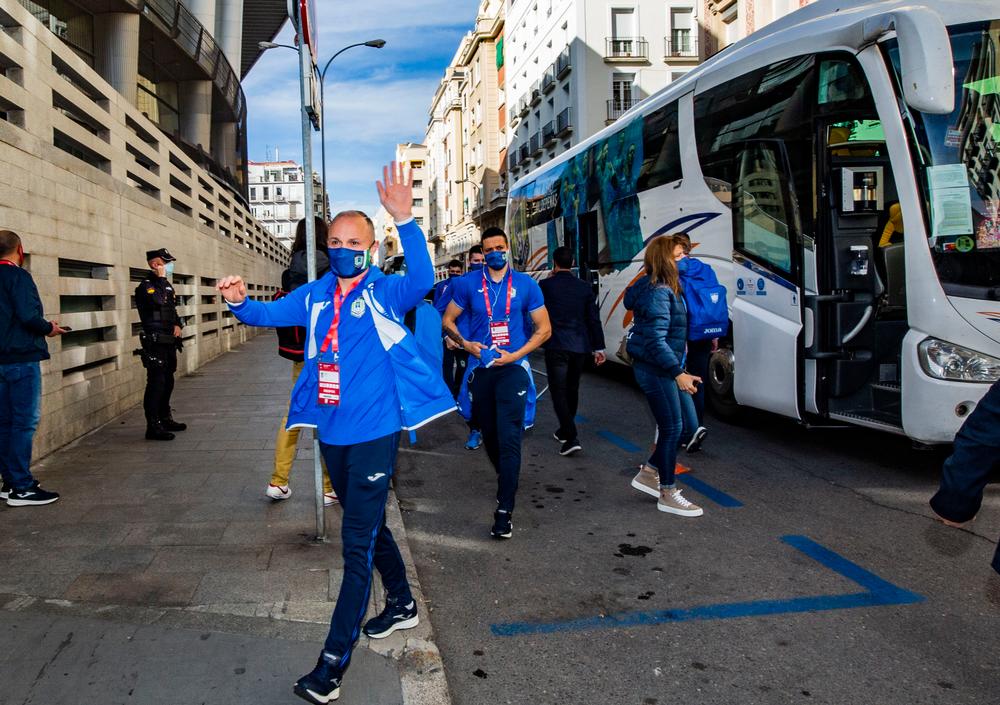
(163,574)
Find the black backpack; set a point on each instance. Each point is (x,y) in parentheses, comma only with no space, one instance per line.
(291,339)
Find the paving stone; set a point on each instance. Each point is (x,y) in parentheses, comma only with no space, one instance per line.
(148,589)
(205,558)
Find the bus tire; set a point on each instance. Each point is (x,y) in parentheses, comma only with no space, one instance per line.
(721,376)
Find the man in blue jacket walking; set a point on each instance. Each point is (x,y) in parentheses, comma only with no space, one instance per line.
(22,348)
(363,380)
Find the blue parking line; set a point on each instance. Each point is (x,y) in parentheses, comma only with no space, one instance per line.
(581,419)
(877,593)
(716,495)
(625,445)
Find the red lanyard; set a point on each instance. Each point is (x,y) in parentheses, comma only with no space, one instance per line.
(332,342)
(486,296)
(8,262)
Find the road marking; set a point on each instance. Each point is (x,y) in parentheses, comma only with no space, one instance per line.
(715,495)
(625,445)
(877,593)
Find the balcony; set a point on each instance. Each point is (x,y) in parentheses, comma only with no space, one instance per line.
(563,64)
(513,115)
(564,124)
(680,45)
(549,132)
(536,93)
(522,154)
(618,107)
(626,49)
(523,107)
(549,80)
(536,143)
(512,160)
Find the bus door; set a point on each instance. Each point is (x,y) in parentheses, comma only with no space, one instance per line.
(588,233)
(766,312)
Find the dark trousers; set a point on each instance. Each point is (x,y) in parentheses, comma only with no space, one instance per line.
(161,363)
(499,395)
(564,369)
(455,362)
(20,412)
(664,400)
(967,471)
(360,476)
(698,354)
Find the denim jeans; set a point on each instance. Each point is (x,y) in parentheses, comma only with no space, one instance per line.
(20,410)
(360,475)
(665,402)
(967,470)
(699,352)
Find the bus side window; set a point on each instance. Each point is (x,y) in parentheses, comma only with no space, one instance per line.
(661,148)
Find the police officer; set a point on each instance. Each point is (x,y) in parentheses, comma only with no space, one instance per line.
(160,339)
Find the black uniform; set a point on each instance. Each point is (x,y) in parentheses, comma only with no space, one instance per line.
(157,304)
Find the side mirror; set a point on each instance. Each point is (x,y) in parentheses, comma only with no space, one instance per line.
(928,69)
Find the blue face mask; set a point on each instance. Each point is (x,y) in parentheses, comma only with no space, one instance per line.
(170,270)
(476,267)
(348,263)
(496,260)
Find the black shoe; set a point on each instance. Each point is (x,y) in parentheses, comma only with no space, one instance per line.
(30,496)
(395,616)
(170,425)
(321,685)
(503,527)
(558,436)
(158,433)
(5,490)
(694,445)
(570,447)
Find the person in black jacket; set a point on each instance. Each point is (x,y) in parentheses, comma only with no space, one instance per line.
(291,342)
(577,335)
(160,338)
(22,348)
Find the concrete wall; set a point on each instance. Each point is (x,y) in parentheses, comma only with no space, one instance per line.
(87,222)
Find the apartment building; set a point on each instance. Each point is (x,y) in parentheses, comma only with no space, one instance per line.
(278,197)
(725,22)
(412,157)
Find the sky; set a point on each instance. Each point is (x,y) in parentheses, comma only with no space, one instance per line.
(375,98)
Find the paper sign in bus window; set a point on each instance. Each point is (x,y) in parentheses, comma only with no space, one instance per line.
(951,204)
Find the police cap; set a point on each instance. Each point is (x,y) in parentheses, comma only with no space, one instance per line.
(161,253)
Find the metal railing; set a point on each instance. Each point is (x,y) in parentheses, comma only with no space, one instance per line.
(680,44)
(536,143)
(619,106)
(536,92)
(522,153)
(549,79)
(549,132)
(563,63)
(626,48)
(564,123)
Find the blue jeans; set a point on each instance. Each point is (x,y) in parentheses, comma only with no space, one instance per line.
(20,410)
(665,402)
(967,471)
(360,476)
(499,396)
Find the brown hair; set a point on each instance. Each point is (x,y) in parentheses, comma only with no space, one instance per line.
(684,240)
(659,262)
(9,241)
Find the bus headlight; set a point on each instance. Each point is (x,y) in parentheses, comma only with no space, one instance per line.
(945,360)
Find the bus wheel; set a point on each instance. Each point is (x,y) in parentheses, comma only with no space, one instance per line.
(721,371)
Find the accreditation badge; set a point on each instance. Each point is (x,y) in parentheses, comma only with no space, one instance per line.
(329,384)
(500,333)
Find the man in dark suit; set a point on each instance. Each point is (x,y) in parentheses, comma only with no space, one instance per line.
(576,335)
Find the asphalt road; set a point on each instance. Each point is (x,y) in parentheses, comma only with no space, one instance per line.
(816,575)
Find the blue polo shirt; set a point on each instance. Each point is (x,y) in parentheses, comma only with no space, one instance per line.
(526,297)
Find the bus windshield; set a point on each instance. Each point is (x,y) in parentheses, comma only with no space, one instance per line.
(958,156)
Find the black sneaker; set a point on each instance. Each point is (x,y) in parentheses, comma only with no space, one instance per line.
(394,616)
(30,496)
(694,445)
(5,490)
(158,433)
(503,527)
(558,436)
(570,447)
(321,685)
(170,425)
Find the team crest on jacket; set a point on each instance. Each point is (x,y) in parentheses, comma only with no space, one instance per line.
(358,308)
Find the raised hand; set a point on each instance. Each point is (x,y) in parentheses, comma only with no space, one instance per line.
(232,289)
(396,192)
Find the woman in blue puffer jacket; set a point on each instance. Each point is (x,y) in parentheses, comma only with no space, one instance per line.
(656,344)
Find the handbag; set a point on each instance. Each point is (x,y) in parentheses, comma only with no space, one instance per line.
(623,353)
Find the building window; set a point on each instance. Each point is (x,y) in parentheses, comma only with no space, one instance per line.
(253,194)
(681,35)
(267,193)
(277,192)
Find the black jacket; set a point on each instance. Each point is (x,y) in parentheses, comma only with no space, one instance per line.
(576,322)
(22,327)
(291,339)
(157,304)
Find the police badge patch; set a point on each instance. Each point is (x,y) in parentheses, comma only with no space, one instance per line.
(358,308)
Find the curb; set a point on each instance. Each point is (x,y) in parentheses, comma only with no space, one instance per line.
(421,669)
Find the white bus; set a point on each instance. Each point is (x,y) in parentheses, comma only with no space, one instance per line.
(839,171)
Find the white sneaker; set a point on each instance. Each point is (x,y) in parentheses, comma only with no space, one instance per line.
(278,491)
(694,445)
(648,481)
(672,502)
(330,499)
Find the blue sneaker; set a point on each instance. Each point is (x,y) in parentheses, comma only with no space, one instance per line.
(475,440)
(321,685)
(394,616)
